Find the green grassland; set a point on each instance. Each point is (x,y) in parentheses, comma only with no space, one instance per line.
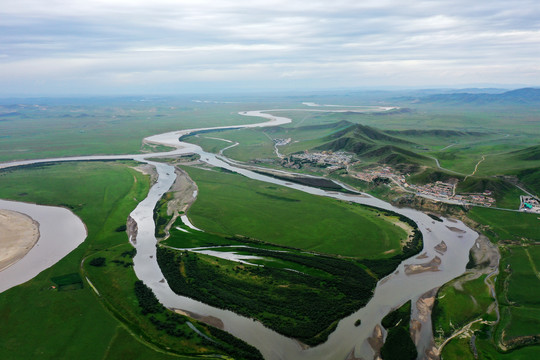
(232,204)
(207,144)
(506,225)
(460,348)
(302,305)
(145,317)
(518,295)
(506,150)
(51,128)
(459,303)
(517,331)
(103,193)
(39,322)
(252,144)
(179,239)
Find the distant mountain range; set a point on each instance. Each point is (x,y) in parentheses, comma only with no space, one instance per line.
(523,96)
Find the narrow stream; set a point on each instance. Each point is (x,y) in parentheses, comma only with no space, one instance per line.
(347,339)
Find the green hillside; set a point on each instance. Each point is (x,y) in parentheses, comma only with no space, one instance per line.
(373,145)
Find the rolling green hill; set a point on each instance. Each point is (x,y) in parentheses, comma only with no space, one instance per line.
(434,132)
(530,153)
(372,145)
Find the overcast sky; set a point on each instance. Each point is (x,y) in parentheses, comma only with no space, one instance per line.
(51,47)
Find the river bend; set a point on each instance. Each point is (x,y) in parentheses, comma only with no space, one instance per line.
(346,340)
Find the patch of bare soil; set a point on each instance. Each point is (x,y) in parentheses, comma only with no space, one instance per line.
(132,230)
(441,248)
(148,169)
(184,193)
(424,305)
(455,229)
(486,258)
(376,342)
(210,320)
(433,265)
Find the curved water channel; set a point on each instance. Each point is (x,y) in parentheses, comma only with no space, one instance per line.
(54,242)
(347,341)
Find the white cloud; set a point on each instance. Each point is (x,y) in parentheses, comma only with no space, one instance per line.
(159,42)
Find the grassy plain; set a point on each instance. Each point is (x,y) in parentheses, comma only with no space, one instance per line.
(302,305)
(459,303)
(36,321)
(519,307)
(518,295)
(41,128)
(232,204)
(506,225)
(460,348)
(46,128)
(208,144)
(39,322)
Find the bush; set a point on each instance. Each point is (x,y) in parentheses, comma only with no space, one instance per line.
(99,261)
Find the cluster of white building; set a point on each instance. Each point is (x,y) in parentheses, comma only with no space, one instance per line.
(439,191)
(381,172)
(282,142)
(324,158)
(529,204)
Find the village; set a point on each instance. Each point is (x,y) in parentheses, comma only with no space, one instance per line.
(331,161)
(439,191)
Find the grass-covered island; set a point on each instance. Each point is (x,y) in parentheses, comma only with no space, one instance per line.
(298,293)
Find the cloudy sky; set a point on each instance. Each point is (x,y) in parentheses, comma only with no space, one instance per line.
(52,47)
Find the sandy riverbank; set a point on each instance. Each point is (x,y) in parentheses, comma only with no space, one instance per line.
(18,235)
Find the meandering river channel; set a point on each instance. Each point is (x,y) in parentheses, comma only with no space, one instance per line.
(347,341)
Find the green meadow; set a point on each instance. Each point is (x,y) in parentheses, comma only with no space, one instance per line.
(40,322)
(516,334)
(301,305)
(458,303)
(518,294)
(237,211)
(506,225)
(460,348)
(232,204)
(42,128)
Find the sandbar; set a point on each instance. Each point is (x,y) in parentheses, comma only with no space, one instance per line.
(433,265)
(18,235)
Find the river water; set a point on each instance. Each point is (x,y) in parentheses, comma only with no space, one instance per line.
(347,339)
(60,231)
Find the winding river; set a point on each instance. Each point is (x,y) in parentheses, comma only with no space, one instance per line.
(347,341)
